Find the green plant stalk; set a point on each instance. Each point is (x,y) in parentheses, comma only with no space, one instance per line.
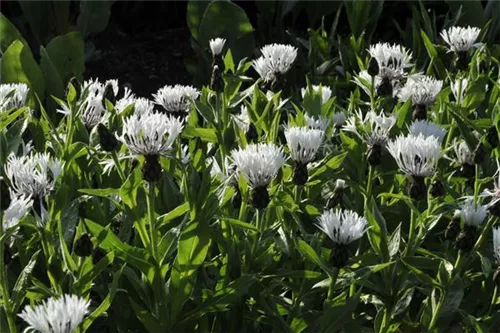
(372,93)
(118,166)
(11,320)
(482,237)
(333,281)
(411,235)
(152,221)
(369,186)
(476,184)
(493,299)
(386,320)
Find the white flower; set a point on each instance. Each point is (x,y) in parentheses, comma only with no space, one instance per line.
(320,123)
(423,90)
(426,128)
(392,59)
(374,127)
(176,98)
(416,155)
(259,163)
(223,173)
(472,214)
(495,194)
(364,81)
(342,227)
(459,88)
(216,45)
(340,183)
(496,244)
(150,134)
(276,59)
(91,107)
(32,175)
(463,153)
(339,119)
(143,105)
(13,96)
(185,154)
(461,39)
(18,207)
(127,100)
(303,142)
(326,92)
(56,315)
(242,119)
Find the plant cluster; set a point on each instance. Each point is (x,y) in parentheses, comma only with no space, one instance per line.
(259,205)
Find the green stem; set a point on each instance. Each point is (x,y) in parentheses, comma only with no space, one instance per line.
(152,221)
(436,312)
(485,231)
(11,320)
(476,184)
(386,320)
(411,235)
(333,281)
(493,299)
(118,166)
(369,185)
(372,93)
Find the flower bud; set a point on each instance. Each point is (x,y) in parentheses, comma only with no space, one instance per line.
(340,255)
(4,195)
(251,135)
(97,255)
(107,140)
(479,154)
(300,174)
(417,188)
(373,68)
(216,81)
(83,246)
(453,228)
(492,136)
(260,197)
(151,170)
(437,189)
(467,238)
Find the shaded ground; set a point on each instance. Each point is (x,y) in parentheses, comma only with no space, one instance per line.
(145,60)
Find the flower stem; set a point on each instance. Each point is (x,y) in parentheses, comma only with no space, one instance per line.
(5,289)
(118,166)
(493,299)
(152,220)
(333,281)
(411,235)
(476,184)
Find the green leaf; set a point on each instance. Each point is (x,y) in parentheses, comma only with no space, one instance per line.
(193,248)
(67,54)
(194,15)
(206,134)
(20,288)
(242,224)
(308,253)
(94,16)
(9,34)
(333,163)
(227,20)
(55,85)
(223,298)
(423,277)
(18,65)
(336,316)
(150,323)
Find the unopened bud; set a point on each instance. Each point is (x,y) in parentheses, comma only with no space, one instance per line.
(107,140)
(83,246)
(467,238)
(373,68)
(479,154)
(492,136)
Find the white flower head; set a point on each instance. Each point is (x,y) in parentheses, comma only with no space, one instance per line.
(128,99)
(416,155)
(223,172)
(185,157)
(176,98)
(459,88)
(17,209)
(364,81)
(340,183)
(320,123)
(276,59)
(56,315)
(242,119)
(495,194)
(472,214)
(496,244)
(259,163)
(339,119)
(427,128)
(13,96)
(342,226)
(372,127)
(460,39)
(32,175)
(150,134)
(423,90)
(326,92)
(216,45)
(303,142)
(91,107)
(463,152)
(392,59)
(143,105)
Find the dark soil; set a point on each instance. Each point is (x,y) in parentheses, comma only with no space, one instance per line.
(145,60)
